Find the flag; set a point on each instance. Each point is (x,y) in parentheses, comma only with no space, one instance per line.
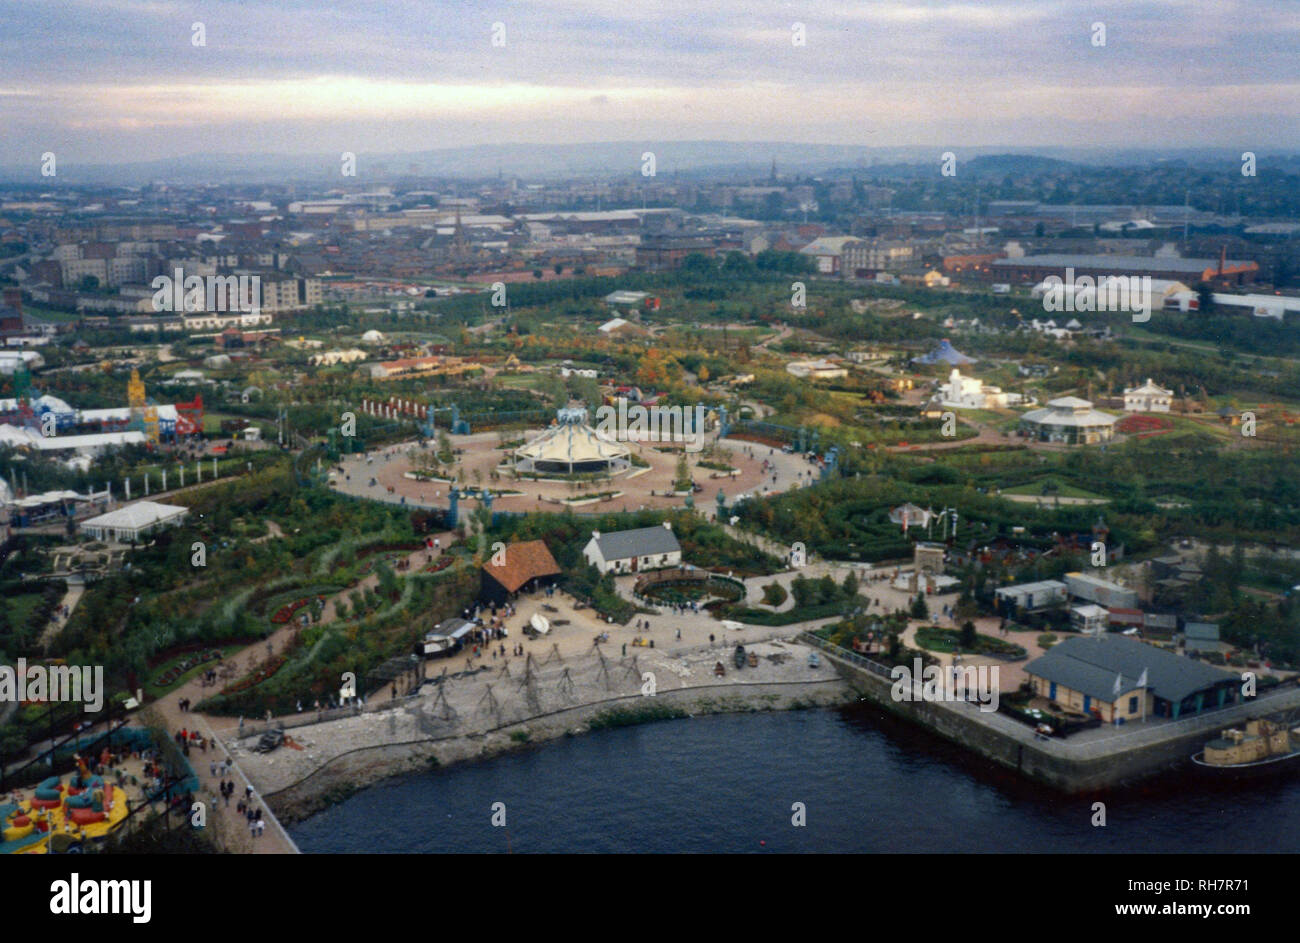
(1142,681)
(1118,682)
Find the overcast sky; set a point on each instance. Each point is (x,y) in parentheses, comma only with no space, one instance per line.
(118,80)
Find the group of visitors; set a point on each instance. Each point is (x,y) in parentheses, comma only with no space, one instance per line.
(256,824)
(485,635)
(227,790)
(184,738)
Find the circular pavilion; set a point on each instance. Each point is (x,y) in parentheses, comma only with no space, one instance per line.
(570,446)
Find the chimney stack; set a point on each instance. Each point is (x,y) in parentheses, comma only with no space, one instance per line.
(1223,258)
(14,298)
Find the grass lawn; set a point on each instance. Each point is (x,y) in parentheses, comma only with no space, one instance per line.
(990,416)
(1153,338)
(1065,490)
(935,639)
(212,420)
(50,314)
(519,381)
(21,607)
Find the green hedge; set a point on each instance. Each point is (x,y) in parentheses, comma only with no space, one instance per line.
(762,617)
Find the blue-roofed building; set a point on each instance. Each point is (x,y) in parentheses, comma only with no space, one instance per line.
(1119,679)
(944,353)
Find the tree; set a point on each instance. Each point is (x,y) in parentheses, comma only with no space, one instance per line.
(774,594)
(682,480)
(558,268)
(737,264)
(387,579)
(850,584)
(537,274)
(967,637)
(773,205)
(803,591)
(919,609)
(1204,297)
(697,264)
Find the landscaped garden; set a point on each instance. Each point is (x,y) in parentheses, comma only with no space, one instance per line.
(936,639)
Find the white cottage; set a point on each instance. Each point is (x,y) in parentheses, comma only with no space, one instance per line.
(1147,398)
(627,551)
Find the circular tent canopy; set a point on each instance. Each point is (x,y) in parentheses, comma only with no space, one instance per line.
(572,446)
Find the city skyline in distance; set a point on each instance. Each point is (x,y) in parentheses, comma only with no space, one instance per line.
(607,160)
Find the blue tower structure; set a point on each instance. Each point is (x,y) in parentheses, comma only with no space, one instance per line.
(457,426)
(453,509)
(830,462)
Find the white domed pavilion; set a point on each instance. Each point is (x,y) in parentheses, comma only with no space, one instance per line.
(572,447)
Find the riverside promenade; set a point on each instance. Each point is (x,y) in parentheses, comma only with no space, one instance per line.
(550,692)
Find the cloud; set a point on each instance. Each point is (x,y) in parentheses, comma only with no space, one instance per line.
(90,71)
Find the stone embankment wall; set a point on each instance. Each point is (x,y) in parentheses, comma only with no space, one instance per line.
(349,772)
(1070,766)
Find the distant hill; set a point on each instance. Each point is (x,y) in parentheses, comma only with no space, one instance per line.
(604,160)
(1015,164)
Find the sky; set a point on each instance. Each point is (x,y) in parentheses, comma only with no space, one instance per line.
(110,81)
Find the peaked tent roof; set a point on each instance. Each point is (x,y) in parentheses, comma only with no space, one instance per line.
(944,353)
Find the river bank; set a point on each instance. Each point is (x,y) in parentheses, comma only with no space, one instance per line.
(466,719)
(728,784)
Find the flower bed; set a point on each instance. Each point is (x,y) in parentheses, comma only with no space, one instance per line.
(257,676)
(285,613)
(440,564)
(391,551)
(759,439)
(174,673)
(1143,426)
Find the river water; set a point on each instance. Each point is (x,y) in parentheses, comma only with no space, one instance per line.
(867,783)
